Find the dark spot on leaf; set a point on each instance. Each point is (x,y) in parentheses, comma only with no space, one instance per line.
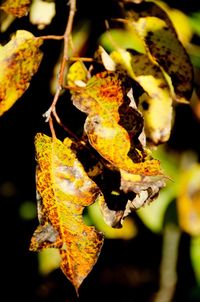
(145,105)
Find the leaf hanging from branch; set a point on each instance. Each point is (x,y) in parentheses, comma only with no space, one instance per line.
(64,190)
(102,99)
(18,8)
(155,28)
(19,61)
(156,101)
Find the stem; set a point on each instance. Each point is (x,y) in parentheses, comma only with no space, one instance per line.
(67,41)
(67,36)
(168,275)
(51,37)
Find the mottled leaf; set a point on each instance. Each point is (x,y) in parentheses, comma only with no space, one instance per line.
(155,27)
(64,190)
(19,61)
(102,99)
(18,8)
(156,101)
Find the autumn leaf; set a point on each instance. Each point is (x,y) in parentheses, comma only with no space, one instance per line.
(64,190)
(101,99)
(188,201)
(19,60)
(18,8)
(155,28)
(156,101)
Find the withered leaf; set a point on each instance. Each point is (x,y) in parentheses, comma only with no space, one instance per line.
(140,190)
(19,60)
(64,190)
(101,99)
(18,8)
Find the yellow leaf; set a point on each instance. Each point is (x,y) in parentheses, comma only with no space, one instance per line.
(64,189)
(188,201)
(158,33)
(102,99)
(19,61)
(156,101)
(169,53)
(18,8)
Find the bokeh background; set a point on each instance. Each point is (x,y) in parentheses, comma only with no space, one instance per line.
(156,256)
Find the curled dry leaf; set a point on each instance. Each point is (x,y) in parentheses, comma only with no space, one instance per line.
(102,99)
(18,8)
(19,60)
(64,190)
(114,127)
(146,189)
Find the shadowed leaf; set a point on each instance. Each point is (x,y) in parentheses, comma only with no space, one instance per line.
(18,8)
(19,61)
(160,38)
(64,190)
(101,99)
(156,101)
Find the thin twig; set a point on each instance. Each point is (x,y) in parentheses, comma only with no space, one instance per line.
(168,274)
(67,41)
(51,37)
(53,134)
(67,36)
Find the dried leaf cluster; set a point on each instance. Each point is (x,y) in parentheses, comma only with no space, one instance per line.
(127,97)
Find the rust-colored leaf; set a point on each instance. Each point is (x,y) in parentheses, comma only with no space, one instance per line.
(155,27)
(102,99)
(18,8)
(64,190)
(19,61)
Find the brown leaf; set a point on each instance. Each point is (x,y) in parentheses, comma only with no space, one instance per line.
(65,189)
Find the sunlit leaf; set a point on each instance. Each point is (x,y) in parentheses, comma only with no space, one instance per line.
(156,101)
(64,189)
(18,8)
(161,40)
(19,60)
(42,13)
(122,38)
(188,201)
(102,99)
